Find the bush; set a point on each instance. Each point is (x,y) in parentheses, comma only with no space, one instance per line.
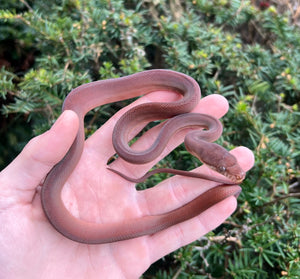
(249,54)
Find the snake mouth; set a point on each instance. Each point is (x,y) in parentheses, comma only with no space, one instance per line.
(235,178)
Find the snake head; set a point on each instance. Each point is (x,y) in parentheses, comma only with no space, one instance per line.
(216,157)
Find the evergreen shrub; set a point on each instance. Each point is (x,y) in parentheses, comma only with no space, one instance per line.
(248,53)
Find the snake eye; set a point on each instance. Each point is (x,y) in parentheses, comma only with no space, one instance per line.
(222,169)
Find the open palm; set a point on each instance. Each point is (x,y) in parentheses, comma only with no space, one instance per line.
(31,248)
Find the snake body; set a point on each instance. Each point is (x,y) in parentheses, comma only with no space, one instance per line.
(88,96)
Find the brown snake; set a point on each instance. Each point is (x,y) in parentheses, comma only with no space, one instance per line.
(198,142)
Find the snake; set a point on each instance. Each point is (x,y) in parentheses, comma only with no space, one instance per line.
(204,129)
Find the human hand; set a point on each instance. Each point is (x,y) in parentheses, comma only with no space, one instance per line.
(31,248)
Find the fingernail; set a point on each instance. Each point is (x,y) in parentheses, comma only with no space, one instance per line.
(237,193)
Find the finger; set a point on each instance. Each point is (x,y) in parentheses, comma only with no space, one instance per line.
(215,105)
(38,157)
(169,240)
(244,156)
(101,140)
(184,190)
(178,190)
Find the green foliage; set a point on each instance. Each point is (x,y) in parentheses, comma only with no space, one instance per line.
(230,47)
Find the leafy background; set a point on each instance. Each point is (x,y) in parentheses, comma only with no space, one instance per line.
(247,51)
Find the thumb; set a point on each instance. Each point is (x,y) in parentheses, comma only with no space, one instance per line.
(31,166)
